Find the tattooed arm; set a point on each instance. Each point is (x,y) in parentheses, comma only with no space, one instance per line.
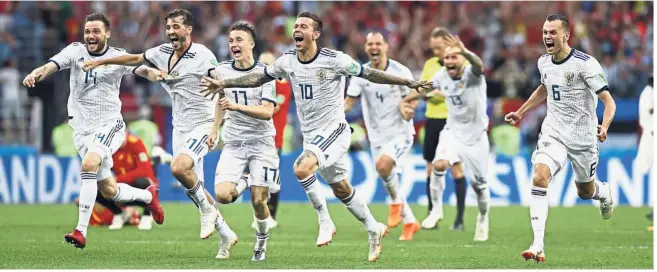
(251,80)
(379,76)
(475,61)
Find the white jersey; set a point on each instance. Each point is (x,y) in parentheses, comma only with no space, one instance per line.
(239,126)
(318,85)
(381,113)
(572,87)
(190,108)
(645,105)
(466,104)
(94,96)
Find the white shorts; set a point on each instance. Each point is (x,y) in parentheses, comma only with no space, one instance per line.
(192,143)
(104,141)
(259,155)
(397,149)
(644,155)
(330,145)
(554,154)
(474,157)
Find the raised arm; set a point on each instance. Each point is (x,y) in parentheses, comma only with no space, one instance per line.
(537,97)
(475,61)
(39,74)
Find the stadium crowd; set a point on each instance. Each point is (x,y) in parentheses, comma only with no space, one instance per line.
(506,34)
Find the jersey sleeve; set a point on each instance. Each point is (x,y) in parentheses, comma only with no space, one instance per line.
(152,55)
(277,70)
(347,66)
(209,62)
(594,77)
(470,76)
(436,79)
(66,58)
(356,87)
(269,92)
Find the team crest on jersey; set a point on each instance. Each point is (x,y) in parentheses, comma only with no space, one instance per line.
(173,74)
(546,144)
(570,78)
(544,77)
(321,74)
(460,85)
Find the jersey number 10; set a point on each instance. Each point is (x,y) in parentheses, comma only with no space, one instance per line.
(306,91)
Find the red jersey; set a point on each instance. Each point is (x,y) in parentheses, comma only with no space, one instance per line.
(283,90)
(131,161)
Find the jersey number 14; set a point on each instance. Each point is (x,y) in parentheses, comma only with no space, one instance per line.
(90,77)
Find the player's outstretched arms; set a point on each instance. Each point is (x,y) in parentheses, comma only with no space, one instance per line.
(263,112)
(475,61)
(218,84)
(151,74)
(381,77)
(608,115)
(39,74)
(537,97)
(127,60)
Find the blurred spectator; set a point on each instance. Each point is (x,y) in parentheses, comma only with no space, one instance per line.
(62,140)
(12,103)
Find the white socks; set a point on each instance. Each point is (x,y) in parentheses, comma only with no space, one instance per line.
(483,195)
(437,187)
(127,193)
(197,194)
(407,213)
(391,184)
(359,209)
(538,210)
(316,198)
(88,192)
(242,184)
(601,192)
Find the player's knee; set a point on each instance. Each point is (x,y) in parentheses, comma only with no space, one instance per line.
(384,166)
(585,190)
(440,165)
(541,177)
(224,197)
(108,192)
(259,202)
(305,165)
(180,165)
(90,163)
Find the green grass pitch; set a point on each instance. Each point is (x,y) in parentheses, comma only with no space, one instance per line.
(32,238)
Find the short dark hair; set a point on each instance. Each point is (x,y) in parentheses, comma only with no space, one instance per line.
(186,14)
(565,23)
(318,24)
(385,38)
(440,32)
(244,26)
(97,16)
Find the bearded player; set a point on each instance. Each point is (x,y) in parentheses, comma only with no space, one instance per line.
(94,110)
(318,76)
(572,82)
(389,130)
(463,144)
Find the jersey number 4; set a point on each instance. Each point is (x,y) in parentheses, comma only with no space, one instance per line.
(556,94)
(306,91)
(90,77)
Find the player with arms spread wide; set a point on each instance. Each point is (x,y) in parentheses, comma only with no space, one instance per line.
(94,110)
(463,143)
(571,81)
(390,128)
(193,114)
(248,137)
(318,76)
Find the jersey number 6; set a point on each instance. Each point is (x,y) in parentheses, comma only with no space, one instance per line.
(556,94)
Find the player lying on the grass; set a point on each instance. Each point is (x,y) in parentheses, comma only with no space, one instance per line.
(317,74)
(248,137)
(94,110)
(571,81)
(463,144)
(390,131)
(185,64)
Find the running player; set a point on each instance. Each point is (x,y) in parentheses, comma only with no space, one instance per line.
(186,63)
(571,81)
(463,144)
(389,131)
(94,110)
(318,76)
(248,137)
